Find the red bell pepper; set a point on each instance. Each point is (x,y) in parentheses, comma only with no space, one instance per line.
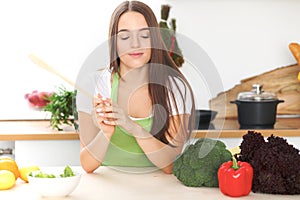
(235,178)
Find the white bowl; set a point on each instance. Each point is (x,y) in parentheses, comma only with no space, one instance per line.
(54,187)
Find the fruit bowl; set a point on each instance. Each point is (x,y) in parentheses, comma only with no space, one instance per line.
(53,186)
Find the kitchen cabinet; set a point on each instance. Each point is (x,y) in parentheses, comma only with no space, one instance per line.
(47,152)
(36,143)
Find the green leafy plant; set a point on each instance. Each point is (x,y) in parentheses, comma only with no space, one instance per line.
(62,108)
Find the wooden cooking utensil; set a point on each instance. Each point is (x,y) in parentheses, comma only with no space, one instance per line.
(39,62)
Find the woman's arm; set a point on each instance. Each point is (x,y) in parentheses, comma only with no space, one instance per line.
(159,153)
(93,143)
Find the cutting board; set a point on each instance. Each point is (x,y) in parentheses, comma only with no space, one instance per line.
(282,81)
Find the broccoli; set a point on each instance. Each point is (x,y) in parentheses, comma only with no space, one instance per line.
(68,172)
(199,163)
(42,175)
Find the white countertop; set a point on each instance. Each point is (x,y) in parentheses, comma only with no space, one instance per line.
(108,183)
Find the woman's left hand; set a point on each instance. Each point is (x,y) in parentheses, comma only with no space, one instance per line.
(114,115)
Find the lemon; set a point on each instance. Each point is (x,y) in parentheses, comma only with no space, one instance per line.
(7,163)
(25,170)
(7,179)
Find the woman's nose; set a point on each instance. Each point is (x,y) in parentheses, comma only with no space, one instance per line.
(135,42)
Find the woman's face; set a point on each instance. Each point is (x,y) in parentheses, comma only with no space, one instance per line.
(133,40)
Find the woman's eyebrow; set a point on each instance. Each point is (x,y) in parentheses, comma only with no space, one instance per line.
(123,30)
(144,29)
(127,30)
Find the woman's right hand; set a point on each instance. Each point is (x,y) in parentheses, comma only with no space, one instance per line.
(99,105)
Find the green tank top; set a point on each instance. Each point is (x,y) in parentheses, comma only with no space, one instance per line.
(123,149)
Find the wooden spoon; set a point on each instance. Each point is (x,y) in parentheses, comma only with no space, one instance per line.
(39,62)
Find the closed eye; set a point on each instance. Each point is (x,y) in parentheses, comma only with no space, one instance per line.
(124,36)
(144,34)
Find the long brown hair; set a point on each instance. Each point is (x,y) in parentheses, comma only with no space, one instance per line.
(158,78)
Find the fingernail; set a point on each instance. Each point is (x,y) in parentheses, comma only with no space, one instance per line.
(99,109)
(105,121)
(104,98)
(101,114)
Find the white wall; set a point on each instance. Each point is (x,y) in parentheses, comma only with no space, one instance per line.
(242,38)
(61,32)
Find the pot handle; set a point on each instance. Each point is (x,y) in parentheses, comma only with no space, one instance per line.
(235,102)
(280,101)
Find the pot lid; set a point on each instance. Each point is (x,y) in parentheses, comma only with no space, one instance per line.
(256,94)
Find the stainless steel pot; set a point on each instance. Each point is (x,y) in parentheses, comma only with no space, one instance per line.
(256,109)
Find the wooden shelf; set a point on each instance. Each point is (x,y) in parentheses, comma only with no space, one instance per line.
(229,128)
(34,130)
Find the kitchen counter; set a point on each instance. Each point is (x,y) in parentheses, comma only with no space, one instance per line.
(128,183)
(229,128)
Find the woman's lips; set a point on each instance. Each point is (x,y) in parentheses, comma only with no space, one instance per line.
(135,55)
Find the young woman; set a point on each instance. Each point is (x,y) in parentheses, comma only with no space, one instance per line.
(142,113)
